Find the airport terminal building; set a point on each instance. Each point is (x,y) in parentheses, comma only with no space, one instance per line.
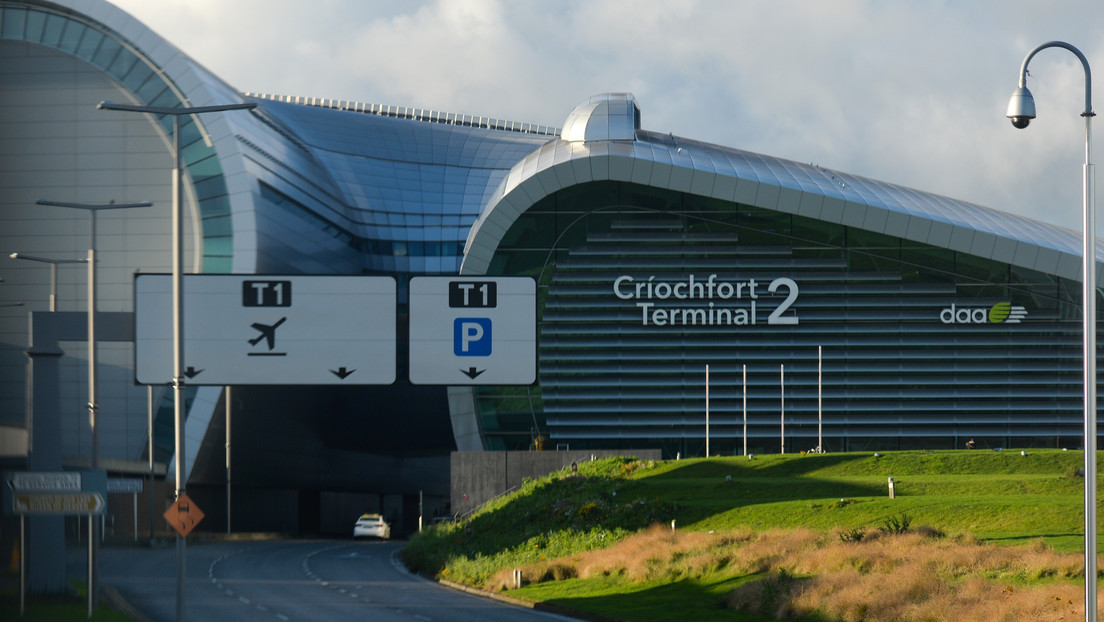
(824,304)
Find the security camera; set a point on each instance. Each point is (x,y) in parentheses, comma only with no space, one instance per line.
(1021,108)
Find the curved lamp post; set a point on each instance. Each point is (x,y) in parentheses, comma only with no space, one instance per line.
(178,299)
(1021,110)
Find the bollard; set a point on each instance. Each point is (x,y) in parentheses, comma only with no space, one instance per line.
(891,488)
(672,525)
(517,578)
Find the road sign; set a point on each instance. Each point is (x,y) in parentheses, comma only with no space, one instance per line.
(184,515)
(473,330)
(260,330)
(42,481)
(57,503)
(55,492)
(131,485)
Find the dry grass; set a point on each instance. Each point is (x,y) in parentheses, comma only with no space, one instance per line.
(911,576)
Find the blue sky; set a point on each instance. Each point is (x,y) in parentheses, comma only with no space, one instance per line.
(910,92)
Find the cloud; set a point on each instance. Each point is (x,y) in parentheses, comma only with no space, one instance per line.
(907,92)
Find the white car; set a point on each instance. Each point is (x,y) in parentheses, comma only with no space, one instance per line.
(371,526)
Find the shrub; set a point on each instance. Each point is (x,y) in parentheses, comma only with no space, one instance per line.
(896,525)
(855,534)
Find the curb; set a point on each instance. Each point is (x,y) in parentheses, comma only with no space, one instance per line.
(528,604)
(112,598)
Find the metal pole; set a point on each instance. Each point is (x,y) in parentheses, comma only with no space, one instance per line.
(1089,330)
(149,431)
(782,386)
(178,354)
(820,400)
(22,563)
(1021,115)
(227,459)
(93,411)
(53,287)
(707,410)
(91,560)
(745,409)
(93,406)
(178,302)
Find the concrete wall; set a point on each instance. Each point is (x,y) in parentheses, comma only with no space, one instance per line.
(479,476)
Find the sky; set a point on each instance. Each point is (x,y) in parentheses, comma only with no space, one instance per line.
(912,92)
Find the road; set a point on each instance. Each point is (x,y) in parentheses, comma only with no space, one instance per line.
(292,580)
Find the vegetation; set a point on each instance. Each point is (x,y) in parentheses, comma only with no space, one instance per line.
(812,537)
(56,608)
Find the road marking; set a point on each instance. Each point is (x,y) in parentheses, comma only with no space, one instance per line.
(243,599)
(282,617)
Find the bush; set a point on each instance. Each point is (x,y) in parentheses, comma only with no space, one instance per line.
(855,534)
(896,525)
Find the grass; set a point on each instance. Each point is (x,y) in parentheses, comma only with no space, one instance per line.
(67,608)
(578,541)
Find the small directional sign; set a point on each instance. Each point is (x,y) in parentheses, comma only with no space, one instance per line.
(58,503)
(473,330)
(55,492)
(261,330)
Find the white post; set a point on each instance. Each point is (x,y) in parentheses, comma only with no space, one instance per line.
(820,400)
(745,409)
(707,410)
(782,386)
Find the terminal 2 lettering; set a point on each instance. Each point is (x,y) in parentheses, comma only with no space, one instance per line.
(722,303)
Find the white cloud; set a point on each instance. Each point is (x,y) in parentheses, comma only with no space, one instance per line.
(907,92)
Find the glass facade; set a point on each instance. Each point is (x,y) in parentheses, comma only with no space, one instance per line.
(640,288)
(148,85)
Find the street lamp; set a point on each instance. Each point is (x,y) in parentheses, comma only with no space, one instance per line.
(1021,110)
(93,404)
(178,300)
(53,272)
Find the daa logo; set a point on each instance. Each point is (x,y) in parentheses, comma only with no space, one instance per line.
(1000,313)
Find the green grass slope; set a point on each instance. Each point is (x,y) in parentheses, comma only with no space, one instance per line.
(1006,497)
(997,496)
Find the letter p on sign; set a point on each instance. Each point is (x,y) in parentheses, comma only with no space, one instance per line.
(471,336)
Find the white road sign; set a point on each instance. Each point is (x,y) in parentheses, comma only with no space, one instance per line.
(46,481)
(473,330)
(262,329)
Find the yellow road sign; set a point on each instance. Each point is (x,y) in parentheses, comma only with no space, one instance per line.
(58,503)
(183,515)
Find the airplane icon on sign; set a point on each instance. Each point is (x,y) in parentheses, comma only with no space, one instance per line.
(268,333)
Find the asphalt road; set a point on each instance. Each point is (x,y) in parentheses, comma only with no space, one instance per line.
(292,580)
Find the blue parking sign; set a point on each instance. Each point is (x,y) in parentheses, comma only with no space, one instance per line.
(471,336)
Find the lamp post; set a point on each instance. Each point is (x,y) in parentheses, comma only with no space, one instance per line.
(53,272)
(93,383)
(93,405)
(1021,110)
(178,301)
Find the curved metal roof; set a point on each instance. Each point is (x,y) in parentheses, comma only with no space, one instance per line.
(700,168)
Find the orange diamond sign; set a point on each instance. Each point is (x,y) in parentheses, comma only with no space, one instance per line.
(183,515)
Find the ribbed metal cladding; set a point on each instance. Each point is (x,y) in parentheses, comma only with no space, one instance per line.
(613,369)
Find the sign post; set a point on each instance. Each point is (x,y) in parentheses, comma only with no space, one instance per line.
(82,493)
(473,330)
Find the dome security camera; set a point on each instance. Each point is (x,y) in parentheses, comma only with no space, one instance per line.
(1021,108)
